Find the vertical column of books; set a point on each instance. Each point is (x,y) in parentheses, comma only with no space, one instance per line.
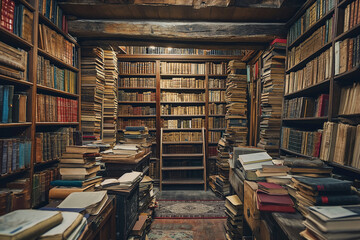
(273,71)
(57,97)
(92,92)
(341,139)
(110,96)
(136,95)
(182,100)
(16,86)
(216,110)
(308,78)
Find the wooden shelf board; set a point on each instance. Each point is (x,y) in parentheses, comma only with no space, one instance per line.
(20,171)
(312,29)
(354,115)
(43,19)
(56,123)
(295,153)
(182,89)
(348,77)
(7,125)
(53,90)
(182,168)
(184,142)
(137,88)
(182,116)
(15,39)
(344,3)
(216,115)
(183,155)
(217,89)
(136,102)
(183,181)
(307,119)
(26,4)
(182,102)
(175,57)
(217,129)
(351,32)
(149,129)
(181,129)
(348,168)
(218,75)
(137,74)
(15,81)
(57,61)
(136,116)
(181,75)
(217,102)
(317,88)
(303,62)
(45,164)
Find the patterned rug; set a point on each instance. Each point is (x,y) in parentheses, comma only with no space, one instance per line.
(159,234)
(202,209)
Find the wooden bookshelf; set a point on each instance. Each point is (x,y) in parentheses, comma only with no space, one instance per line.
(333,84)
(28,130)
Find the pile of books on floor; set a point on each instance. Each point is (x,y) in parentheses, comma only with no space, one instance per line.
(273,73)
(78,170)
(234,212)
(332,222)
(273,198)
(236,104)
(110,97)
(92,92)
(322,192)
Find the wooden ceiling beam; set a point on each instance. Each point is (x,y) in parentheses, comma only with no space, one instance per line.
(177,31)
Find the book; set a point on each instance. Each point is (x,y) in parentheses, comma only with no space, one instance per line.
(274,203)
(81,149)
(62,231)
(61,192)
(21,224)
(80,184)
(271,188)
(323,184)
(253,158)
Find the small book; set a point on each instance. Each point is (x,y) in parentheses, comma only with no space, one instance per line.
(28,223)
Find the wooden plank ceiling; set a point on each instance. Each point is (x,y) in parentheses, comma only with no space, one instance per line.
(180,21)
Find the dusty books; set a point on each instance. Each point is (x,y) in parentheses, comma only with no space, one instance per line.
(234,212)
(272,78)
(71,220)
(21,224)
(93,202)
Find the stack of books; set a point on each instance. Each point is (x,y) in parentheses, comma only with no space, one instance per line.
(136,135)
(140,229)
(146,194)
(250,163)
(274,198)
(234,212)
(123,153)
(110,96)
(236,104)
(337,222)
(92,92)
(78,171)
(274,174)
(41,224)
(16,195)
(322,192)
(127,180)
(13,62)
(272,78)
(307,168)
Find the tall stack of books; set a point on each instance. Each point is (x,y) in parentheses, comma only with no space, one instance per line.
(338,222)
(92,92)
(234,212)
(322,192)
(236,104)
(78,171)
(110,96)
(271,97)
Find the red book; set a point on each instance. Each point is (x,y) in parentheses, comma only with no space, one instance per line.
(58,110)
(271,189)
(278,40)
(272,203)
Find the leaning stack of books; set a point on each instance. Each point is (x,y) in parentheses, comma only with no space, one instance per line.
(78,170)
(323,192)
(92,92)
(236,104)
(272,77)
(335,222)
(110,96)
(234,212)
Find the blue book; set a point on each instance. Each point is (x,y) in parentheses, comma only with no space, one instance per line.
(1,101)
(55,80)
(27,153)
(47,12)
(74,183)
(15,155)
(5,109)
(140,128)
(4,157)
(10,103)
(21,154)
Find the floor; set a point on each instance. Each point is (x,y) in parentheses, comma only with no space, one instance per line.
(187,229)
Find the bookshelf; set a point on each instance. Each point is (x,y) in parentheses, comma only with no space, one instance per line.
(331,68)
(28,133)
(178,105)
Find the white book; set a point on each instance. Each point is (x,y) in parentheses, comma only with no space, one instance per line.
(251,158)
(257,165)
(62,231)
(337,58)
